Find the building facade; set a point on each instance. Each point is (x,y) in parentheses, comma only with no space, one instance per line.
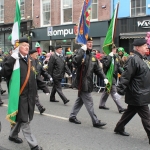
(7,13)
(133,21)
(55,22)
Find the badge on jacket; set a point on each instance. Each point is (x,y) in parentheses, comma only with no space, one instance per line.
(93,59)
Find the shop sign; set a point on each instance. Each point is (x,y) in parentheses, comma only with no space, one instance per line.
(5,29)
(144,24)
(63,32)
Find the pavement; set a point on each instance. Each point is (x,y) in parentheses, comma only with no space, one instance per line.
(54,132)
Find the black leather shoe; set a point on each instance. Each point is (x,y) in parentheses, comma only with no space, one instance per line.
(54,101)
(121,133)
(37,148)
(103,107)
(121,111)
(42,110)
(74,120)
(98,125)
(66,101)
(16,140)
(1,103)
(3,91)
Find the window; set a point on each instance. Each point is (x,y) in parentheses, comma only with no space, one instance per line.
(138,8)
(22,8)
(94,9)
(45,12)
(1,10)
(67,11)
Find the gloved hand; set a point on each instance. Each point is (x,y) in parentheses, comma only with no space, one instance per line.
(51,79)
(118,96)
(15,55)
(106,81)
(70,76)
(0,68)
(47,93)
(84,47)
(111,54)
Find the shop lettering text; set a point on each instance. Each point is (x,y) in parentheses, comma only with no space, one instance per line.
(144,24)
(63,32)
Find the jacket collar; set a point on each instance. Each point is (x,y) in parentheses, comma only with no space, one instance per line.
(137,53)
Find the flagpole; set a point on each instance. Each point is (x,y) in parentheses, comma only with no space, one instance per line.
(116,19)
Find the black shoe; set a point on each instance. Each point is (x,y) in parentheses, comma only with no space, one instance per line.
(66,101)
(100,124)
(42,110)
(1,103)
(121,111)
(37,148)
(54,101)
(74,120)
(121,133)
(16,140)
(103,107)
(3,91)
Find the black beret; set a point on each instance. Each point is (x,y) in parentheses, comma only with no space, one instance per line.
(32,51)
(21,40)
(89,38)
(139,42)
(58,46)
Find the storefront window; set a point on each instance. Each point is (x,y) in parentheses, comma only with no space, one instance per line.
(1,10)
(7,42)
(2,41)
(45,12)
(138,8)
(22,8)
(66,11)
(94,9)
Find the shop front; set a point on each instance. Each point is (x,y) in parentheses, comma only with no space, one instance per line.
(5,31)
(64,35)
(129,29)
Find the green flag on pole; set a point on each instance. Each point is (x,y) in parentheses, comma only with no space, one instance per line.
(107,46)
(14,83)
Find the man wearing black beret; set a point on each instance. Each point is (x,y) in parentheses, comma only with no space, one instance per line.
(57,68)
(135,85)
(28,90)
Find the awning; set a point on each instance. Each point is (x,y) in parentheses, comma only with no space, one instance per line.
(132,35)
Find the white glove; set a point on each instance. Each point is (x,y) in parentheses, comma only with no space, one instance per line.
(0,68)
(84,47)
(51,79)
(111,54)
(106,81)
(15,55)
(118,96)
(47,93)
(70,76)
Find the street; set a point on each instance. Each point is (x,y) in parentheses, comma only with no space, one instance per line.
(53,131)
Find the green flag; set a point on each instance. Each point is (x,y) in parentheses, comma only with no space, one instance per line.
(107,46)
(14,83)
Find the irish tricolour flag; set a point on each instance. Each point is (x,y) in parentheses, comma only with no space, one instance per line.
(14,83)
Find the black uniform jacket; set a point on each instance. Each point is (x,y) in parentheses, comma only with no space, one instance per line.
(90,66)
(135,81)
(27,98)
(57,67)
(117,68)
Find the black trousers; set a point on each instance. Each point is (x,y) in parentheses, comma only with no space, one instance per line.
(57,88)
(143,112)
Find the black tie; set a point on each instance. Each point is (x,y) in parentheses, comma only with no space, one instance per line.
(25,58)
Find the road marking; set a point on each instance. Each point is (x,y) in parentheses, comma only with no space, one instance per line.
(44,114)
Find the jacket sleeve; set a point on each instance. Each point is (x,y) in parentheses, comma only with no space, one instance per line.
(67,70)
(77,57)
(127,75)
(98,70)
(41,84)
(7,68)
(51,65)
